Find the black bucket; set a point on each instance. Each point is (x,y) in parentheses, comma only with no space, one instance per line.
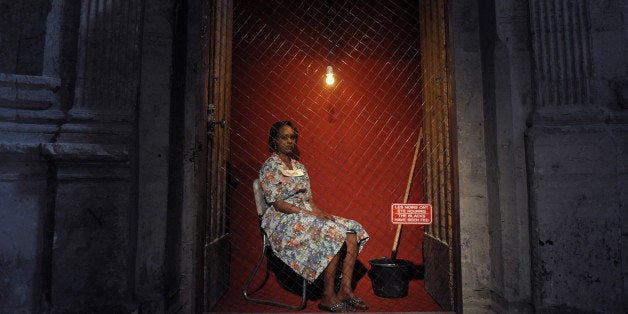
(390,278)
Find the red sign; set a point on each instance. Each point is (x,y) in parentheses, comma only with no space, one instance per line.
(411,214)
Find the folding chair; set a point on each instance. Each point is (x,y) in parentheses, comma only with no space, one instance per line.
(260,203)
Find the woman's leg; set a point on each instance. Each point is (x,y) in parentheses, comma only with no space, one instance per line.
(329,294)
(346,291)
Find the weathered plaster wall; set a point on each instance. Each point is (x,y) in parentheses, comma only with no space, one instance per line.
(32,95)
(538,87)
(91,214)
(577,142)
(507,90)
(472,163)
(577,216)
(153,155)
(68,92)
(23,25)
(23,194)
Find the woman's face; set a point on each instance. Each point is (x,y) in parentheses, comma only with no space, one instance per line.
(286,140)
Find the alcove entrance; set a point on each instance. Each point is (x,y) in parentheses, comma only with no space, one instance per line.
(391,64)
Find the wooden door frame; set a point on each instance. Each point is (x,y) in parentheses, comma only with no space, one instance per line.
(453,134)
(441,240)
(216,249)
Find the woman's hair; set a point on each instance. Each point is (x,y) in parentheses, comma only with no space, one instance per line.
(274,133)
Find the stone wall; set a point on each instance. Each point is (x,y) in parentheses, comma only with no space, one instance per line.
(23,191)
(577,219)
(23,41)
(577,143)
(541,154)
(68,94)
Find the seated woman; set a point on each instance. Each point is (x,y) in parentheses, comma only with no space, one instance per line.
(302,235)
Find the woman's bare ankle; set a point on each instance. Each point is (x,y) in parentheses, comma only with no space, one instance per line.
(345,293)
(329,300)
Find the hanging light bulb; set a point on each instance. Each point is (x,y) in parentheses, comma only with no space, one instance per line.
(329,77)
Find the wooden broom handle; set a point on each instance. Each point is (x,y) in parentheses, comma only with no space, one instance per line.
(407,195)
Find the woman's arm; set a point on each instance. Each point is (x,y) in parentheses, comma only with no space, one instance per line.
(286,207)
(318,212)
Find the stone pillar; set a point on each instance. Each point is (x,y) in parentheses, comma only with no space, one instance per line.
(576,150)
(107,76)
(492,89)
(92,253)
(30,110)
(507,90)
(154,156)
(95,219)
(471,162)
(68,105)
(30,102)
(23,210)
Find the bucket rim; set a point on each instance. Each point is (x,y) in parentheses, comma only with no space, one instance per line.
(387,262)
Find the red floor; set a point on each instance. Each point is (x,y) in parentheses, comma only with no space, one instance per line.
(246,247)
(417,299)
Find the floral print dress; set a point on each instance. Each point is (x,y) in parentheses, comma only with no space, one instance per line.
(304,242)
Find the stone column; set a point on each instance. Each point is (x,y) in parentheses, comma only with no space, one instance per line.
(107,73)
(30,111)
(95,218)
(23,210)
(68,105)
(92,250)
(576,150)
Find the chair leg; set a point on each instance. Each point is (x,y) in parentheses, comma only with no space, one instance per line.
(250,279)
(248,295)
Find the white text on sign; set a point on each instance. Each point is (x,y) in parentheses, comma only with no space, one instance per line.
(411,214)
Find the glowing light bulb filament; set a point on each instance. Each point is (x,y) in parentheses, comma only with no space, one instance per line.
(329,77)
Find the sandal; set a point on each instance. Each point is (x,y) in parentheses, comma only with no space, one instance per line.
(357,303)
(337,308)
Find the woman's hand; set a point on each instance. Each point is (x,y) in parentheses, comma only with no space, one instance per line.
(316,211)
(324,215)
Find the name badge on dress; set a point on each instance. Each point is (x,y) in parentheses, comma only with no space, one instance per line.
(292,173)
